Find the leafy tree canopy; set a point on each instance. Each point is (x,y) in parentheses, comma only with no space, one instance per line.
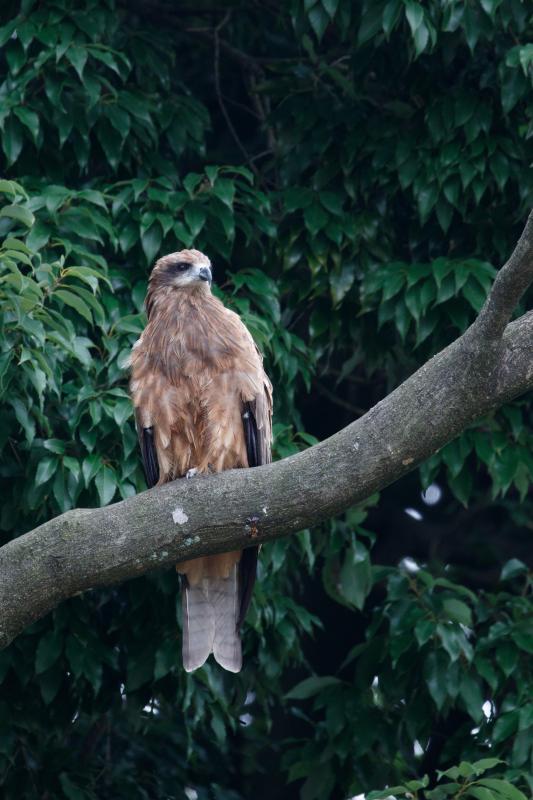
(356,171)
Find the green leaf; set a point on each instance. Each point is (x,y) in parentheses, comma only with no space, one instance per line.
(128,235)
(60,491)
(444,214)
(140,670)
(475,295)
(122,411)
(12,140)
(73,466)
(490,6)
(166,658)
(24,419)
(457,610)
(426,197)
(16,244)
(88,275)
(224,189)
(48,651)
(421,39)
(311,686)
(319,20)
(331,7)
(106,484)
(54,445)
(470,691)
(194,217)
(512,568)
(505,726)
(402,319)
(435,667)
(391,14)
(424,630)
(394,282)
(355,579)
(15,57)
(480,793)
(454,641)
(341,282)
(70,789)
(315,218)
(297,197)
(91,465)
(77,56)
(507,657)
(332,202)
(387,794)
(414,13)
(526,717)
(45,470)
(50,683)
(19,213)
(503,787)
(29,119)
(486,763)
(74,302)
(38,236)
(524,639)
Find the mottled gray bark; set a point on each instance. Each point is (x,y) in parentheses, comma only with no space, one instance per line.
(487,366)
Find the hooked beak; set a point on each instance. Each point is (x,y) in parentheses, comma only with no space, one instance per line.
(205,274)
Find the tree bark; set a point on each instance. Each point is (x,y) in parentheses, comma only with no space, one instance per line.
(490,364)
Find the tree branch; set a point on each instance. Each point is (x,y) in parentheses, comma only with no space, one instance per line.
(510,284)
(85,548)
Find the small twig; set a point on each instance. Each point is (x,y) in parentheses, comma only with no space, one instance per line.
(339,401)
(350,378)
(249,60)
(220,99)
(13,446)
(262,154)
(262,113)
(242,107)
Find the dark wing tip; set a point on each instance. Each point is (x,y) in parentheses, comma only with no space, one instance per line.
(149,456)
(248,563)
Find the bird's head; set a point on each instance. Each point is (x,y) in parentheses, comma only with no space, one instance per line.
(184,269)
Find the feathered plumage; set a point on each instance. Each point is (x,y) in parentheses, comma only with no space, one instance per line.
(202,402)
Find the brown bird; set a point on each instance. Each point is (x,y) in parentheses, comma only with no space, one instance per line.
(203,403)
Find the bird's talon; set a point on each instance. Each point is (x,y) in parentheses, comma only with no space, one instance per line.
(191,473)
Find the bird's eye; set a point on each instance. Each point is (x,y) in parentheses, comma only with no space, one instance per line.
(181,266)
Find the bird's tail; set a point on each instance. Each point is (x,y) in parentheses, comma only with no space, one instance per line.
(210,617)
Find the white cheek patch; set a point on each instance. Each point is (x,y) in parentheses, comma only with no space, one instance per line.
(186,278)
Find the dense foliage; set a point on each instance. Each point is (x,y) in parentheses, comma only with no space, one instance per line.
(356,171)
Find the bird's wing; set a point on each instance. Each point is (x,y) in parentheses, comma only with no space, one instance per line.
(257,421)
(148,452)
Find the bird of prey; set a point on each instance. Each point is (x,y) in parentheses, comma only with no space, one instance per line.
(203,403)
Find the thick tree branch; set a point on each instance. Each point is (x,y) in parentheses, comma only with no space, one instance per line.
(85,548)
